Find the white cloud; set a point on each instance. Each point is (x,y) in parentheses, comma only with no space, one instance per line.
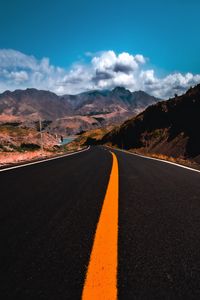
(106,70)
(110,62)
(169,85)
(19,77)
(140,59)
(18,70)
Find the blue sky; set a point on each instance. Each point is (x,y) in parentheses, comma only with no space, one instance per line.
(165,33)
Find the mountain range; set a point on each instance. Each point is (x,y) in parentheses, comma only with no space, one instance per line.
(168,127)
(70,114)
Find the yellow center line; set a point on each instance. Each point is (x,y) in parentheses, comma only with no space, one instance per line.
(101,277)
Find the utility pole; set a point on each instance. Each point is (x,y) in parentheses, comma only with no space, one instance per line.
(41,137)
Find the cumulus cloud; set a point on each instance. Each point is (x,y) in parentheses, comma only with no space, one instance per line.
(105,70)
(110,62)
(166,87)
(18,70)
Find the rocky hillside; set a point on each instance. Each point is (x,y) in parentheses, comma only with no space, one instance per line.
(69,114)
(169,127)
(16,138)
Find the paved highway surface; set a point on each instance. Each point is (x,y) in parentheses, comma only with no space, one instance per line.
(96,221)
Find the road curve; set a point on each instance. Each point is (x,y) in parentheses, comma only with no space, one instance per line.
(48,225)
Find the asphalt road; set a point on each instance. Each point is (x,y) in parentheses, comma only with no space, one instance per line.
(48,218)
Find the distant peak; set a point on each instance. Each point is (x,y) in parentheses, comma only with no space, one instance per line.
(7,92)
(140,92)
(119,89)
(31,89)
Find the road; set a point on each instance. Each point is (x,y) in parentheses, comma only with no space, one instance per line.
(117,223)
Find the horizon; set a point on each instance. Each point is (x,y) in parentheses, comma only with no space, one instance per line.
(68,49)
(88,91)
(99,90)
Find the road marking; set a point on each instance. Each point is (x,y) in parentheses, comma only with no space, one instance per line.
(101,277)
(42,161)
(152,158)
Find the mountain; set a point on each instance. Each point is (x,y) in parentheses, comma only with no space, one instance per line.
(33,103)
(168,127)
(116,100)
(72,113)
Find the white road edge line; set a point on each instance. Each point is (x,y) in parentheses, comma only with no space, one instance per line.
(162,160)
(44,160)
